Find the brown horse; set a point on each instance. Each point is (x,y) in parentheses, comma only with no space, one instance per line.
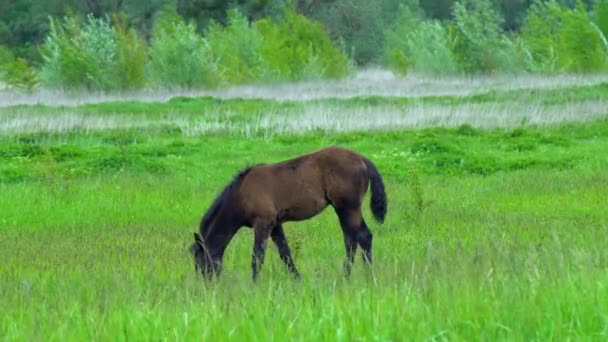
(266,195)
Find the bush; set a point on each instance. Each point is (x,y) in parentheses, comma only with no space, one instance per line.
(557,38)
(16,72)
(396,41)
(237,48)
(179,57)
(481,45)
(430,49)
(581,45)
(540,36)
(424,47)
(359,25)
(5,55)
(295,48)
(601,18)
(80,56)
(130,56)
(19,75)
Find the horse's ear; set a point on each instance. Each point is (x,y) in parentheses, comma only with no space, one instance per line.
(198,238)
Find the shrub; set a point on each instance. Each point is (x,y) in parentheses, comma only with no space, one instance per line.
(179,57)
(581,45)
(19,75)
(80,56)
(481,45)
(540,36)
(295,47)
(396,43)
(130,56)
(5,55)
(430,49)
(422,46)
(359,25)
(557,38)
(237,48)
(16,72)
(601,18)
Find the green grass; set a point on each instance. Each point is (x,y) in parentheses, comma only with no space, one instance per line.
(491,234)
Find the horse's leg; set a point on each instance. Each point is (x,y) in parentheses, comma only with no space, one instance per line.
(350,220)
(364,238)
(278,237)
(260,241)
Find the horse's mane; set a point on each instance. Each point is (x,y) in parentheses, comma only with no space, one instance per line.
(227,192)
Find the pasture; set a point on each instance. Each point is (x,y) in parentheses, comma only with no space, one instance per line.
(496,227)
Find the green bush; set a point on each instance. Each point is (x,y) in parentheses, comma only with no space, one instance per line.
(557,39)
(581,45)
(5,55)
(540,36)
(16,73)
(179,56)
(422,46)
(19,75)
(237,48)
(601,18)
(396,52)
(130,56)
(359,25)
(295,48)
(77,55)
(481,45)
(430,49)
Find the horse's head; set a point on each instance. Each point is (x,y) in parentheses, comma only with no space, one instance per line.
(203,262)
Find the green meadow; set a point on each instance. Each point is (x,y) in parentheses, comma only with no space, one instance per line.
(496,229)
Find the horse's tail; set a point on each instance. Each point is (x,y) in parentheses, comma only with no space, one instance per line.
(378,201)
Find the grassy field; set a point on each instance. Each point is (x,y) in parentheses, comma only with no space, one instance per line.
(496,227)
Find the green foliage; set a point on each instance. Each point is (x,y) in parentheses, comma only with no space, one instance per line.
(270,40)
(430,48)
(396,40)
(295,47)
(359,25)
(179,57)
(5,55)
(481,45)
(540,34)
(16,72)
(237,48)
(130,56)
(78,55)
(422,46)
(557,38)
(601,17)
(582,48)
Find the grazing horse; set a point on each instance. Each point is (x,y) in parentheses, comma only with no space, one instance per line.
(264,196)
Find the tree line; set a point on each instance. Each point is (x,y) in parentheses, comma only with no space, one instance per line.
(328,39)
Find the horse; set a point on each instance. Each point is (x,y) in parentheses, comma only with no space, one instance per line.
(264,196)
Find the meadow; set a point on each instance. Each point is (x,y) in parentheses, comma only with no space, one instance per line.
(496,227)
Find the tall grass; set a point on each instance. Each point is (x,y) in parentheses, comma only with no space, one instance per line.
(181,115)
(517,255)
(490,234)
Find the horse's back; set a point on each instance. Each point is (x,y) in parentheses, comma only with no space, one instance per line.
(301,187)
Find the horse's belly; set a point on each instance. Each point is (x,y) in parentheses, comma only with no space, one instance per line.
(302,212)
